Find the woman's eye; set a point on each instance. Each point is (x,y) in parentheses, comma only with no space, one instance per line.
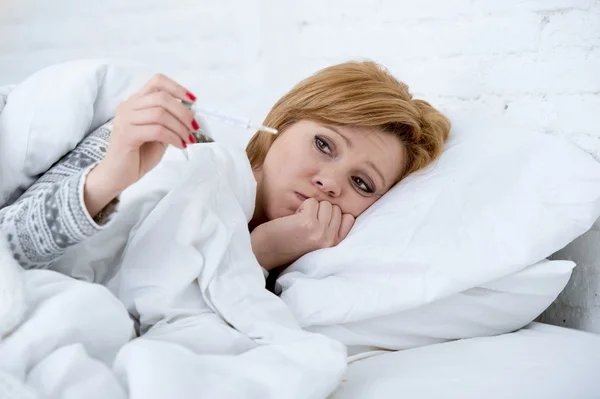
(362,185)
(322,145)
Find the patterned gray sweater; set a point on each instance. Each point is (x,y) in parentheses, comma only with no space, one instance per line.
(51,215)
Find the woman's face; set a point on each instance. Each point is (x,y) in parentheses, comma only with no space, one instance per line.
(348,166)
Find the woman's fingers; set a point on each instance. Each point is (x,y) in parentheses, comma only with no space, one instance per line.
(160,82)
(336,220)
(162,117)
(324,213)
(158,133)
(310,208)
(169,103)
(331,235)
(345,226)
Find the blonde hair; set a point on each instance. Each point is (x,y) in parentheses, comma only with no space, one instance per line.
(361,94)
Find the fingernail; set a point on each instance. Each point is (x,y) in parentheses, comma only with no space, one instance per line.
(191,96)
(192,138)
(195,124)
(184,144)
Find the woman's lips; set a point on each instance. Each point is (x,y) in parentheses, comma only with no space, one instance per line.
(301,197)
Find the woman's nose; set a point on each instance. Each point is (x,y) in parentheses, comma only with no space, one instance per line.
(330,185)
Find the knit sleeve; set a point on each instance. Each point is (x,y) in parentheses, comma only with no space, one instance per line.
(51,215)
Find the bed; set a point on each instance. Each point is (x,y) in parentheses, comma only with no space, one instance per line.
(473,286)
(539,361)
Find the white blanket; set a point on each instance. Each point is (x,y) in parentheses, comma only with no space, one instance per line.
(210,329)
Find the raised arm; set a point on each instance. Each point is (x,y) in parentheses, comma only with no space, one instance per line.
(73,199)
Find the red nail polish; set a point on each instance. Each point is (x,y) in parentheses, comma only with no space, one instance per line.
(195,124)
(184,144)
(192,138)
(191,96)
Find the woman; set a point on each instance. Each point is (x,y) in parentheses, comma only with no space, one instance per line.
(347,135)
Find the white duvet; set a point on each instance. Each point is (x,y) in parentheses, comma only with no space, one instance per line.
(209,328)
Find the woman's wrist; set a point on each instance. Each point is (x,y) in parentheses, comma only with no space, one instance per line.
(260,247)
(99,189)
(265,248)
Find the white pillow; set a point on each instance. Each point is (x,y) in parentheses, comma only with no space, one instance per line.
(4,91)
(490,309)
(407,274)
(539,362)
(49,113)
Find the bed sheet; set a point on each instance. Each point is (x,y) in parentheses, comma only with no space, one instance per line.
(539,361)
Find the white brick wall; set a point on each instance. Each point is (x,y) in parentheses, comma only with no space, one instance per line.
(525,63)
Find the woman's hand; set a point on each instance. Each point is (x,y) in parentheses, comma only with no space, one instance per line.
(143,126)
(314,226)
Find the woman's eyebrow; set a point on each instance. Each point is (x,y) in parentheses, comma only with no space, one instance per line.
(336,130)
(376,169)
